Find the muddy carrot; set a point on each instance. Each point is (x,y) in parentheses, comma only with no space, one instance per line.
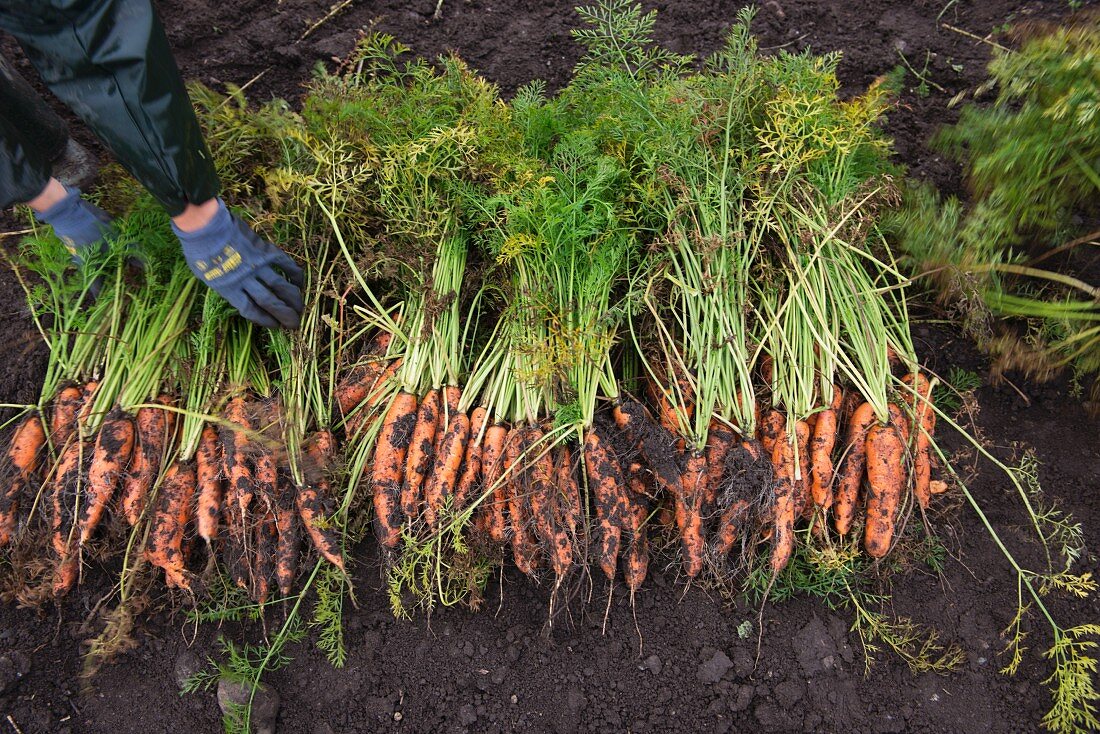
(23,456)
(562,511)
(821,458)
(209,484)
(152,428)
(923,427)
(110,458)
(772,425)
(63,421)
(885,483)
(783,462)
(517,477)
(636,557)
(313,497)
(492,460)
(853,468)
(569,489)
(169,521)
(418,460)
(450,451)
(471,471)
(87,398)
(235,456)
(720,440)
(290,537)
(389,465)
(688,518)
(803,501)
(605,479)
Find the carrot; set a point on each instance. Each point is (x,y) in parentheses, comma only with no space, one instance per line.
(730,525)
(471,471)
(821,458)
(605,478)
(444,477)
(87,396)
(900,421)
(389,464)
(885,482)
(636,558)
(924,426)
(266,476)
(312,498)
(109,460)
(63,421)
(496,438)
(289,542)
(357,385)
(517,477)
(418,460)
(720,440)
(378,390)
(655,444)
(152,430)
(169,521)
(265,549)
(853,468)
(563,511)
(235,457)
(802,483)
(23,452)
(688,517)
(772,425)
(66,490)
(783,463)
(210,486)
(666,411)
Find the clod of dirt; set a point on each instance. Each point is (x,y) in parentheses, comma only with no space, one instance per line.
(187,665)
(712,670)
(265,704)
(741,698)
(815,647)
(13,666)
(652,664)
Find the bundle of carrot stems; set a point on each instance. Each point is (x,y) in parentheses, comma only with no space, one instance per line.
(549,330)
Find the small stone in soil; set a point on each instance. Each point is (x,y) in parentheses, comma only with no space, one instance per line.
(265,703)
(652,664)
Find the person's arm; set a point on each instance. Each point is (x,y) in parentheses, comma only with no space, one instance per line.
(109,61)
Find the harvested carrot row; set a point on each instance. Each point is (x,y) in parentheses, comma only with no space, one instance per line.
(110,459)
(23,454)
(169,521)
(389,464)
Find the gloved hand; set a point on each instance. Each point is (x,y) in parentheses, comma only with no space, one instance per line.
(238,264)
(78,224)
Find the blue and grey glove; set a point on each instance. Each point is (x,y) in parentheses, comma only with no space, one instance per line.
(78,224)
(238,264)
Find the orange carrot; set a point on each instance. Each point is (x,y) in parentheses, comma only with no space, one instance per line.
(63,422)
(418,460)
(449,454)
(289,541)
(169,520)
(885,483)
(267,533)
(313,499)
(636,557)
(517,477)
(802,482)
(492,460)
(356,385)
(471,472)
(821,458)
(210,486)
(772,424)
(235,456)
(26,444)
(783,463)
(605,479)
(65,493)
(923,427)
(569,501)
(109,460)
(389,465)
(87,396)
(853,468)
(720,440)
(688,518)
(152,429)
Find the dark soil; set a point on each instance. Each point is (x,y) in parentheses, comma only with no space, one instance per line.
(676,661)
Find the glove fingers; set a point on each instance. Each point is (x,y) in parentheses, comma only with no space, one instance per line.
(293,273)
(288,293)
(275,308)
(248,308)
